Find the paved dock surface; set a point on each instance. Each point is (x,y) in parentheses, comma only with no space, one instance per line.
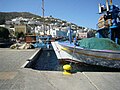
(13,77)
(10,65)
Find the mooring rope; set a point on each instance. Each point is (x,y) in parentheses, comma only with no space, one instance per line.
(73,53)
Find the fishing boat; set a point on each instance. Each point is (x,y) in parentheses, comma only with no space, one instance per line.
(107,58)
(109,29)
(43,41)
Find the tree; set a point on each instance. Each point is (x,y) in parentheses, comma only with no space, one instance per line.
(4,33)
(2,21)
(19,35)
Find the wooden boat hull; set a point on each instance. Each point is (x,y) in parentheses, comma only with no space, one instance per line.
(107,58)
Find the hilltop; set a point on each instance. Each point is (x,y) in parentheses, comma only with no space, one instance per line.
(6,16)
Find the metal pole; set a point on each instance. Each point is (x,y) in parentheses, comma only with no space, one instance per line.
(110,19)
(107,5)
(70,34)
(43,7)
(110,2)
(43,10)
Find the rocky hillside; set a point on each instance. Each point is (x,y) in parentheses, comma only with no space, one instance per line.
(6,16)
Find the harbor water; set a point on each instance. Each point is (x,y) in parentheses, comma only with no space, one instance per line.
(48,61)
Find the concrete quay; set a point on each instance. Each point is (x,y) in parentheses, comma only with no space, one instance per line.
(13,75)
(11,61)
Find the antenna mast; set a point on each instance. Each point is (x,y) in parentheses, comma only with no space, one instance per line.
(43,8)
(43,13)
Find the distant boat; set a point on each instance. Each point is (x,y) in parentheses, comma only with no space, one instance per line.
(43,41)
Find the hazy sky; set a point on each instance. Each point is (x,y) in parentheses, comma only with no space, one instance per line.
(80,12)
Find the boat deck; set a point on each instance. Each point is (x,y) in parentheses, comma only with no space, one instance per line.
(62,55)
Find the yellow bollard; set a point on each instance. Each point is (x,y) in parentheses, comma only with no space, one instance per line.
(67,69)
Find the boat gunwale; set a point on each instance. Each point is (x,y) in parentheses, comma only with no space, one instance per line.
(93,50)
(93,55)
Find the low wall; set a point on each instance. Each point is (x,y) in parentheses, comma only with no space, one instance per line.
(32,59)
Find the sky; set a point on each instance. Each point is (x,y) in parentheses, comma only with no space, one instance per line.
(81,12)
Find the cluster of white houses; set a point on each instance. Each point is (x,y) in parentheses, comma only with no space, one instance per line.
(33,26)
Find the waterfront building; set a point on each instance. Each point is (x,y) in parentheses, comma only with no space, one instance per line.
(22,28)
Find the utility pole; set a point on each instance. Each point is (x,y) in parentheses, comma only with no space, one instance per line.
(43,13)
(111,19)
